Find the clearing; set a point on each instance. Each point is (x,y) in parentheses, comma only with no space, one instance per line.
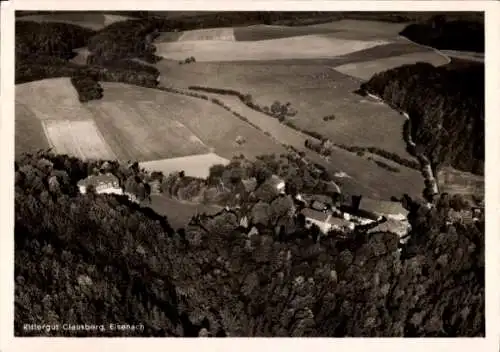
(194,165)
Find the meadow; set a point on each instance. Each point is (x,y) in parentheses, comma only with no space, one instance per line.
(138,123)
(194,165)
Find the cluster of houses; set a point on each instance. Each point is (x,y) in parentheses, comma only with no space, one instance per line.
(328,214)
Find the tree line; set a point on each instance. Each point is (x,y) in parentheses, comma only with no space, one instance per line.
(445,106)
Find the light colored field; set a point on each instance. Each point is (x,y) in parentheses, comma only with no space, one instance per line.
(301,47)
(54,98)
(145,128)
(208,34)
(194,165)
(365,70)
(216,127)
(77,138)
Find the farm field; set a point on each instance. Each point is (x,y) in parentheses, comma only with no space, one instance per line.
(207,34)
(29,135)
(301,47)
(315,91)
(78,138)
(95,21)
(365,70)
(194,165)
(140,123)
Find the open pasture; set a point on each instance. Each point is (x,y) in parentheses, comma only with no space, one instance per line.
(315,91)
(267,32)
(29,133)
(302,47)
(53,98)
(365,70)
(138,123)
(77,138)
(193,165)
(208,34)
(144,130)
(216,127)
(360,27)
(95,21)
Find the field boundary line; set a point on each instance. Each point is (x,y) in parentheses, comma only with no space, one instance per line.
(437,51)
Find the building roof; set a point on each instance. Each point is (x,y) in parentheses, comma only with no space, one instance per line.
(318,205)
(338,221)
(314,214)
(96,180)
(382,206)
(390,225)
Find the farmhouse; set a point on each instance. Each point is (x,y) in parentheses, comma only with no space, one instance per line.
(379,208)
(103,183)
(326,222)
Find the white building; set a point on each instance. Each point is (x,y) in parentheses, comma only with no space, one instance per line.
(103,183)
(326,222)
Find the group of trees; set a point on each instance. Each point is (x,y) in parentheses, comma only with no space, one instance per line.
(43,50)
(214,279)
(277,109)
(445,107)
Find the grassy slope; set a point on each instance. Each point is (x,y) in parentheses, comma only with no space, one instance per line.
(153,137)
(29,134)
(314,90)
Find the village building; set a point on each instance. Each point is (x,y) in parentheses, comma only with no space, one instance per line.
(103,183)
(381,208)
(325,221)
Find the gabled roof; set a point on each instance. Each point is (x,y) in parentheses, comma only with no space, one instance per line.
(314,214)
(382,206)
(96,180)
(338,221)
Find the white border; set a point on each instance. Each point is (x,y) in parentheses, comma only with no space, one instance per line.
(490,343)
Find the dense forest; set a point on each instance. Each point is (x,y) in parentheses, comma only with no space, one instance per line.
(441,33)
(445,106)
(97,259)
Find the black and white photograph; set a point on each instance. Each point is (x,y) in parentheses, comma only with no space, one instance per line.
(249,174)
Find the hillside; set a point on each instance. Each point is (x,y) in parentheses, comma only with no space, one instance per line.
(211,279)
(130,123)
